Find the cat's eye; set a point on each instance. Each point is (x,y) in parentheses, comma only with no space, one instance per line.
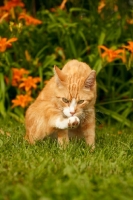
(65,100)
(80,101)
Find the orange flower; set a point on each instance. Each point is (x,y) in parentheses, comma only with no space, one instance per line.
(21,100)
(29,20)
(129,47)
(3,16)
(4,43)
(63,4)
(111,54)
(130,21)
(101,5)
(29,82)
(17,75)
(11,4)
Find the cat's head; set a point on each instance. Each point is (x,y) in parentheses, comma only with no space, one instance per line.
(75,94)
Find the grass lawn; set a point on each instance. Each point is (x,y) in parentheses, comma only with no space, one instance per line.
(45,172)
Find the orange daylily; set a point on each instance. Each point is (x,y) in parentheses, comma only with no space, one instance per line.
(63,4)
(29,20)
(4,43)
(61,7)
(29,82)
(129,47)
(3,16)
(11,4)
(111,54)
(130,21)
(101,5)
(17,75)
(21,100)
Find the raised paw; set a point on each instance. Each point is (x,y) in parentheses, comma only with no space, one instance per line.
(73,122)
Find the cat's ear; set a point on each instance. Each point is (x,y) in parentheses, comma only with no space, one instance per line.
(90,81)
(59,76)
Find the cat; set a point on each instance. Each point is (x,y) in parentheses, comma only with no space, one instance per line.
(65,106)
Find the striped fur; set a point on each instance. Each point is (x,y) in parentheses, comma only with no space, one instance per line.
(65,106)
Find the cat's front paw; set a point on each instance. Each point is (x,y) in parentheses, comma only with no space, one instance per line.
(73,122)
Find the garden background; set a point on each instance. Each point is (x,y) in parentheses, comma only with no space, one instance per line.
(36,35)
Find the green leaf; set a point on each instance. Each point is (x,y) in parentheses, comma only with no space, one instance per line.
(98,66)
(101,38)
(116,116)
(72,47)
(41,51)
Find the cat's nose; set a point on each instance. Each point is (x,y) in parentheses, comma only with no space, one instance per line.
(72,113)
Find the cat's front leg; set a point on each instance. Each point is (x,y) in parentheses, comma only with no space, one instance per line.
(88,129)
(63,138)
(71,122)
(89,134)
(62,125)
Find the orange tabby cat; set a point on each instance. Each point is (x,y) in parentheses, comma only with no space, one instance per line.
(65,106)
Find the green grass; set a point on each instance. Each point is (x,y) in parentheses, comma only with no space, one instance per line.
(45,172)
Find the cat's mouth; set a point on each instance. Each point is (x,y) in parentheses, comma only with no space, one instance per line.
(67,112)
(66,116)
(71,115)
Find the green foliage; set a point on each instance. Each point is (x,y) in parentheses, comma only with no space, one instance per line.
(75,32)
(44,171)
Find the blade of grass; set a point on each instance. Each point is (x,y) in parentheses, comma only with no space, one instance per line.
(115,116)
